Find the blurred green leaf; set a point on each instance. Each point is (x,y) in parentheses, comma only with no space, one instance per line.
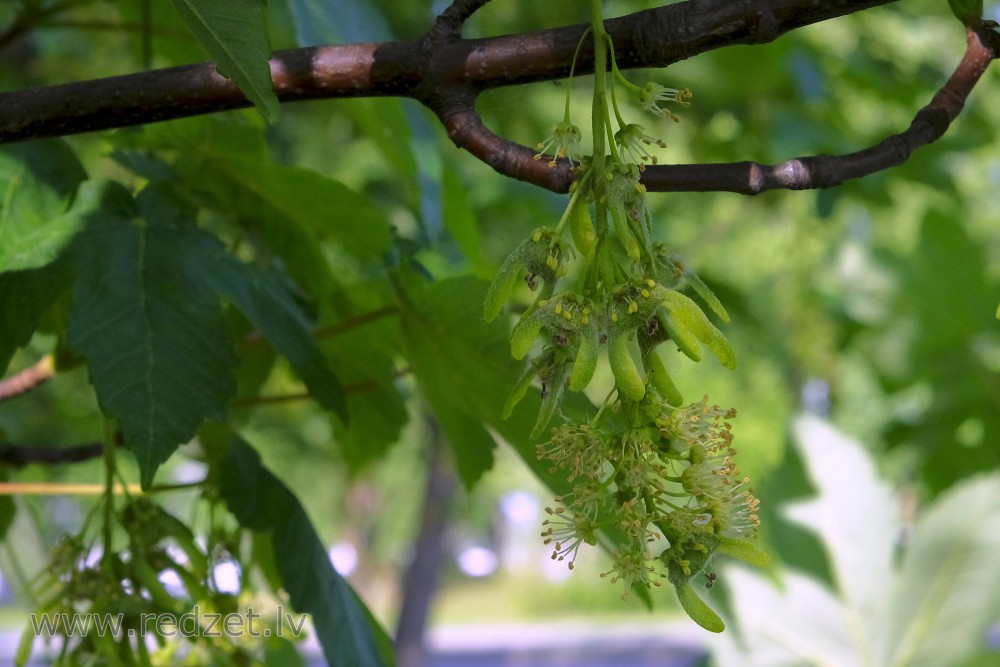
(262,503)
(234,34)
(966,11)
(462,365)
(945,305)
(943,604)
(365,359)
(37,181)
(934,609)
(24,298)
(853,513)
(460,221)
(296,211)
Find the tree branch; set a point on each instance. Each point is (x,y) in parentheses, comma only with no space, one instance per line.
(446,73)
(441,70)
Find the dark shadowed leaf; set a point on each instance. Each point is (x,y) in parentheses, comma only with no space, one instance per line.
(267,299)
(157,343)
(24,298)
(262,503)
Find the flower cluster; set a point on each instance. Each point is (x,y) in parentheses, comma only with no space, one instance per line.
(665,487)
(647,474)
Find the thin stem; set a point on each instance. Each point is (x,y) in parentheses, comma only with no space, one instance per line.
(581,186)
(109,489)
(355,322)
(618,75)
(358,387)
(180,486)
(572,69)
(146,20)
(597,118)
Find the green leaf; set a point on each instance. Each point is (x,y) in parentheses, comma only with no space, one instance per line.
(37,181)
(944,319)
(966,11)
(327,207)
(852,513)
(933,610)
(154,334)
(267,299)
(804,622)
(234,34)
(261,502)
(154,338)
(944,601)
(365,359)
(452,354)
(460,220)
(24,298)
(706,294)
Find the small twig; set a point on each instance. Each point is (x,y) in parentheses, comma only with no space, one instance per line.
(333,330)
(750,178)
(19,456)
(27,379)
(358,387)
(355,322)
(827,171)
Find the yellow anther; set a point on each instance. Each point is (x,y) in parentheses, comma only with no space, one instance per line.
(585,319)
(645,293)
(614,317)
(568,315)
(536,237)
(558,309)
(650,282)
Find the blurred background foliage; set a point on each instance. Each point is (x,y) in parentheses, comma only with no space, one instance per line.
(871,304)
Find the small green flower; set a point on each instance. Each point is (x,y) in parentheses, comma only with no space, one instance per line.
(565,140)
(576,448)
(633,140)
(567,533)
(652,93)
(631,566)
